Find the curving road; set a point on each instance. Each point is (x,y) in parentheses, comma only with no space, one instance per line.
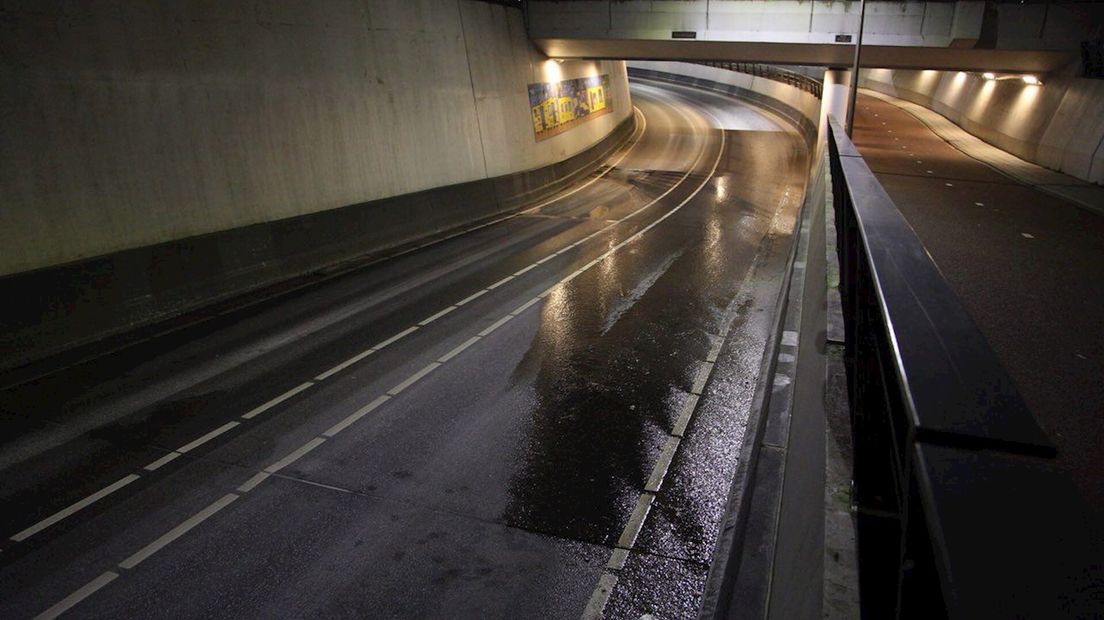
(537,418)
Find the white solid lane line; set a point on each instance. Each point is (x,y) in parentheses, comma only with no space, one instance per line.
(395,338)
(495,325)
(299,453)
(356,415)
(358,357)
(503,281)
(81,505)
(523,307)
(500,283)
(414,378)
(249,415)
(479,293)
(208,437)
(343,365)
(178,531)
(161,462)
(433,318)
(252,483)
(608,580)
(508,278)
(458,349)
(199,517)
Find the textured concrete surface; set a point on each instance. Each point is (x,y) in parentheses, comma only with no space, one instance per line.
(1058,125)
(461,431)
(1028,266)
(131,124)
(795,99)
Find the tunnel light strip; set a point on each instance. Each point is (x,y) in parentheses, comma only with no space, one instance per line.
(260,477)
(1026,78)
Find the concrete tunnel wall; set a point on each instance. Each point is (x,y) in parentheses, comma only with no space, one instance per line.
(158,158)
(147,122)
(1058,125)
(802,109)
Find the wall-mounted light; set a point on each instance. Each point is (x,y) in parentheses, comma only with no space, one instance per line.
(559,60)
(1027,79)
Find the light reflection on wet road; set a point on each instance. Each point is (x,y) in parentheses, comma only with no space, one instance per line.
(496,484)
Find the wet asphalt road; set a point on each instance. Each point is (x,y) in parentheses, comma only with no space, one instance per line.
(294,459)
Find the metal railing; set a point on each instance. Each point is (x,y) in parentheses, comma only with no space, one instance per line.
(960,512)
(770,72)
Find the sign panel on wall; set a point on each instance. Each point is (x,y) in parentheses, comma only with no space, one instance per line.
(559,106)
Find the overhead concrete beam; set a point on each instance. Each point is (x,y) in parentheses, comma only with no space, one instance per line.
(1052,25)
(811,54)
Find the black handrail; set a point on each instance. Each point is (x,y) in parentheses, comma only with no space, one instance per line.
(960,511)
(771,72)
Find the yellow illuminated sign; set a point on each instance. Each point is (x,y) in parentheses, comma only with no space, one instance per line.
(558,106)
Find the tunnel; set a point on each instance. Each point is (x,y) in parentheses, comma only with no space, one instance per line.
(552,309)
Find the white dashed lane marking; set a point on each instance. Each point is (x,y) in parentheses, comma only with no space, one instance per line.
(364,354)
(88,590)
(259,477)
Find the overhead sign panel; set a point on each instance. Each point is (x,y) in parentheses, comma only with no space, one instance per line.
(558,106)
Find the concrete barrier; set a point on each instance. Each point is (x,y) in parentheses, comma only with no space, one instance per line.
(157,158)
(1058,125)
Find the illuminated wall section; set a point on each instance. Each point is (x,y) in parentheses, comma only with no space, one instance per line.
(1056,123)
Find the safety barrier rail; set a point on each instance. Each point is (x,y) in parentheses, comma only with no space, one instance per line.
(960,511)
(771,72)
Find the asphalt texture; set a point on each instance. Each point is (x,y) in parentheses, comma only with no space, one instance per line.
(296,459)
(1028,266)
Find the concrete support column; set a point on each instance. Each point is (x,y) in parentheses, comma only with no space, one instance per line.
(835,97)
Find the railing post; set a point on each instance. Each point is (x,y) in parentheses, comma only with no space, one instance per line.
(855,72)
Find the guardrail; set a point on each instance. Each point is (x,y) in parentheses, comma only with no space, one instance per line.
(771,72)
(960,512)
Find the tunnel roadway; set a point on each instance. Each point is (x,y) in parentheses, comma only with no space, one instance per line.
(537,418)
